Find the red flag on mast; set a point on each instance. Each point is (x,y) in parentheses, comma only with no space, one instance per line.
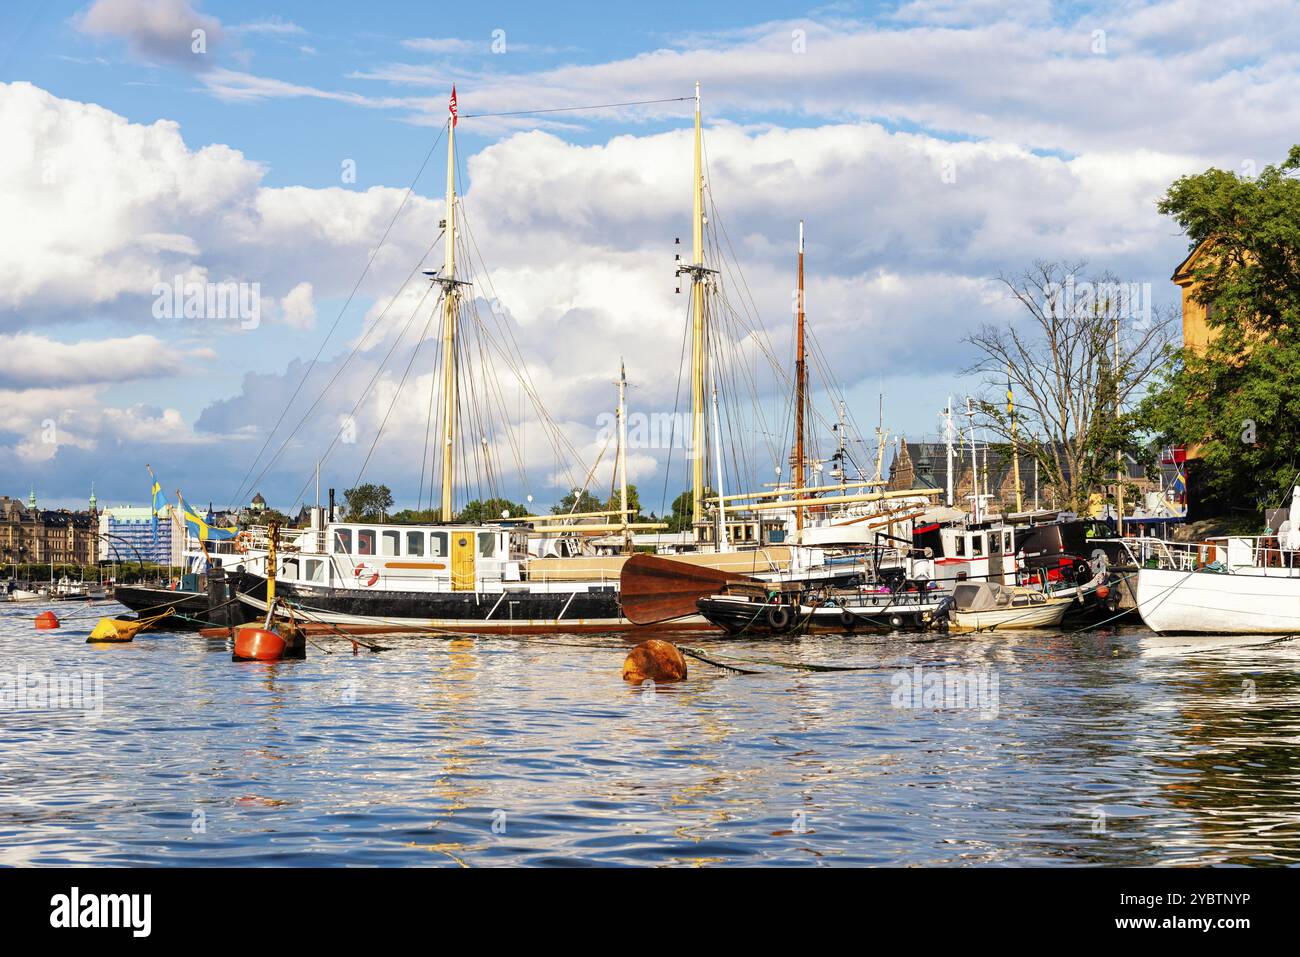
(452,105)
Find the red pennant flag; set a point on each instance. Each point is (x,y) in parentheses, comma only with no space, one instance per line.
(452,105)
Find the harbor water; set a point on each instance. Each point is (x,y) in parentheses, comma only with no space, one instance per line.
(1108,747)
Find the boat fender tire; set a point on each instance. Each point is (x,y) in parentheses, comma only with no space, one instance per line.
(848,620)
(778,617)
(895,621)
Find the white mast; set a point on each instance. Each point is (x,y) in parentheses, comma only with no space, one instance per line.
(622,457)
(948,438)
(974,465)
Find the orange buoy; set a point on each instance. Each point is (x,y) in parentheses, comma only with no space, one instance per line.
(1103,592)
(46,619)
(258,644)
(654,660)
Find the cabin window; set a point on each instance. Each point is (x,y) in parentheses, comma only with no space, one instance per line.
(961,547)
(390,542)
(437,544)
(315,570)
(487,544)
(415,544)
(365,541)
(976,545)
(1006,541)
(995,543)
(342,540)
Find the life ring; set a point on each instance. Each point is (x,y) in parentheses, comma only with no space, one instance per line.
(361,568)
(243,541)
(778,617)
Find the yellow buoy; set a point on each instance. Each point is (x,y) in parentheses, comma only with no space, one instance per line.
(122,629)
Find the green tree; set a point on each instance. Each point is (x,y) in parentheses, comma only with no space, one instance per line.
(490,510)
(424,516)
(1236,401)
(367,503)
(683,511)
(577,500)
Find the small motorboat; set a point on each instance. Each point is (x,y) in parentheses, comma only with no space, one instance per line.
(989,606)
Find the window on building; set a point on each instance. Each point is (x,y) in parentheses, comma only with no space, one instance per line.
(415,544)
(365,541)
(487,544)
(390,542)
(342,540)
(315,570)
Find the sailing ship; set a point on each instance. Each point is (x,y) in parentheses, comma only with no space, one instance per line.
(528,574)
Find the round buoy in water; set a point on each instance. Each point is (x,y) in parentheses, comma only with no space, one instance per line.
(258,644)
(47,619)
(656,660)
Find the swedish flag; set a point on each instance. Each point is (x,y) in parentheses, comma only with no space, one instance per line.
(202,530)
(157,494)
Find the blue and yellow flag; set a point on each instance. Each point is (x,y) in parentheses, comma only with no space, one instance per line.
(198,527)
(157,493)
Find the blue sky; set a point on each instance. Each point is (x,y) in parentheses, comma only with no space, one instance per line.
(135,160)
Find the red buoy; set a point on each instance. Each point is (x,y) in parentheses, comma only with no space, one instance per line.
(46,620)
(1103,592)
(258,644)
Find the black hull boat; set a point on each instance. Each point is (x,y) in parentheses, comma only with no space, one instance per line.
(740,615)
(470,612)
(191,607)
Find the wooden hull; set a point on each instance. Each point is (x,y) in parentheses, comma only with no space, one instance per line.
(1244,603)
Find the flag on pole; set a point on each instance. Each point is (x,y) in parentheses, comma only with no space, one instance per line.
(155,492)
(451,107)
(200,529)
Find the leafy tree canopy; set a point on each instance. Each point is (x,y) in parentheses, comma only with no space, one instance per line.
(1235,403)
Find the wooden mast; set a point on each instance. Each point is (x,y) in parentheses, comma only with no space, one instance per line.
(697,338)
(446,277)
(800,389)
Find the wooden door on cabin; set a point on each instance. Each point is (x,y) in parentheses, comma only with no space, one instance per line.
(462,561)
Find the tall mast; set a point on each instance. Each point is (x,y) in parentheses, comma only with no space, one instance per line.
(446,277)
(800,390)
(1119,453)
(697,339)
(720,532)
(974,465)
(947,434)
(1015,445)
(449,325)
(622,457)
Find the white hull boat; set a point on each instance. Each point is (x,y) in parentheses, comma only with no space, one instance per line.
(987,606)
(1246,601)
